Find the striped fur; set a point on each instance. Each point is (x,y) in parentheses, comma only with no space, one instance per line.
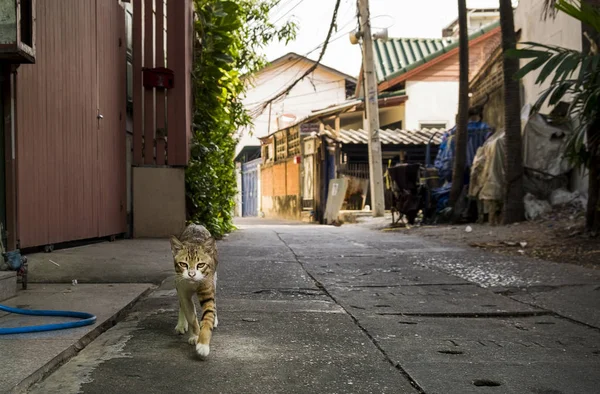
(195,260)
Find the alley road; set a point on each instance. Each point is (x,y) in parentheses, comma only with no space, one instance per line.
(321,309)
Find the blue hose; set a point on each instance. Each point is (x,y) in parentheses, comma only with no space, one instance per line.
(88,319)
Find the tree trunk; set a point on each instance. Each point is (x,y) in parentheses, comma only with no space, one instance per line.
(461,136)
(514,209)
(592,217)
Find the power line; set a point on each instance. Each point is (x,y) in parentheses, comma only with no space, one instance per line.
(318,83)
(297,61)
(339,35)
(280,5)
(257,111)
(290,10)
(307,94)
(281,95)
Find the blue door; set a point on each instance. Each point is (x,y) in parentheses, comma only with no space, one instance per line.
(329,175)
(330,166)
(250,188)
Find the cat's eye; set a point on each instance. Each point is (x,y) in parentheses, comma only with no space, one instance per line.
(201,265)
(184,265)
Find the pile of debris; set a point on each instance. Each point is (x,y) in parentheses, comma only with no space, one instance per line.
(561,201)
(547,172)
(421,193)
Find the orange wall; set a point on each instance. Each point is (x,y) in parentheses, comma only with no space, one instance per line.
(280,190)
(292,178)
(266,180)
(281,179)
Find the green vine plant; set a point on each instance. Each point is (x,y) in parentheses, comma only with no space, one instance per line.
(229,39)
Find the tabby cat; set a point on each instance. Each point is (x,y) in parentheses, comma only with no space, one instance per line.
(195,259)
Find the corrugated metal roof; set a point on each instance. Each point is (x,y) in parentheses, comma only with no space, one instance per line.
(396,56)
(389,137)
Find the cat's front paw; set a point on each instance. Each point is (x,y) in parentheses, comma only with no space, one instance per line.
(192,340)
(216,323)
(202,349)
(181,328)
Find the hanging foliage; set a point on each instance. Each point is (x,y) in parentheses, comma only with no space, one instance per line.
(229,37)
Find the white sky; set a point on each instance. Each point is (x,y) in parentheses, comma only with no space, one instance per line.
(403,18)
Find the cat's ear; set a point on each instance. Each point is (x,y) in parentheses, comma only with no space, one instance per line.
(210,247)
(176,245)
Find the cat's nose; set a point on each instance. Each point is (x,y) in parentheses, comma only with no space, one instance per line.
(192,273)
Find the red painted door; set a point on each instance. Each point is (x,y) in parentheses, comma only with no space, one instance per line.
(111,71)
(70,162)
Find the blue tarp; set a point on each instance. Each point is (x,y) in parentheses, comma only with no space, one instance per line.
(478,133)
(442,195)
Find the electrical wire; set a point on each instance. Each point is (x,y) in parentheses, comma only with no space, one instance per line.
(339,35)
(259,109)
(314,66)
(290,10)
(304,94)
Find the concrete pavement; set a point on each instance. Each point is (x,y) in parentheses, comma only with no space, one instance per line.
(27,358)
(111,277)
(122,261)
(323,309)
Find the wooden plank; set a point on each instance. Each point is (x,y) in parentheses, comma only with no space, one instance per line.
(110,187)
(160,151)
(56,129)
(149,120)
(179,58)
(137,83)
(9,160)
(160,93)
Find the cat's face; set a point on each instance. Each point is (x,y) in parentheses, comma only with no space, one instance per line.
(191,261)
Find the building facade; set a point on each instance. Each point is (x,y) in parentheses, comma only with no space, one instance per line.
(324,87)
(69,172)
(427,72)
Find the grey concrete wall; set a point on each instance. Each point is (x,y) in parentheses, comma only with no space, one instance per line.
(158,201)
(8,285)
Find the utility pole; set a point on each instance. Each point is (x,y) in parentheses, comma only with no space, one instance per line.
(372,111)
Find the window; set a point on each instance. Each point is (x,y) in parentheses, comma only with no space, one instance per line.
(350,88)
(129,29)
(27,23)
(433,125)
(394,126)
(129,39)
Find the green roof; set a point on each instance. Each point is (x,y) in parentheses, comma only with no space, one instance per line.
(396,56)
(395,93)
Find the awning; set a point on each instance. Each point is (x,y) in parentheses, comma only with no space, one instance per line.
(388,136)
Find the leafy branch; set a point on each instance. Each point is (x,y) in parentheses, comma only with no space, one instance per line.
(230,36)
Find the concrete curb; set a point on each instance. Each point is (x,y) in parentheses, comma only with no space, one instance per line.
(79,345)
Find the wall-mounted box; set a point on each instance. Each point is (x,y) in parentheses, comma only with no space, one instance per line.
(17,31)
(160,78)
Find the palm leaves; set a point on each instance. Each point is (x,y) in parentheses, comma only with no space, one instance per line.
(549,9)
(572,75)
